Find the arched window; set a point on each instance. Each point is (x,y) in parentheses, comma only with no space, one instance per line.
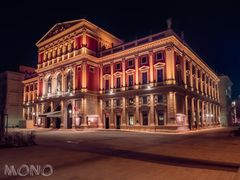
(69,81)
(59,82)
(49,85)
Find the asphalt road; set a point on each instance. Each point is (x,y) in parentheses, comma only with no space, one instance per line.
(211,154)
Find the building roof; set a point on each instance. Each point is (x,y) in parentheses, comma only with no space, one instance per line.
(60,28)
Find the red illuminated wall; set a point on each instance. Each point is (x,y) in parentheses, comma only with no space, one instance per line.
(92,43)
(78,78)
(40,58)
(79,42)
(92,78)
(40,87)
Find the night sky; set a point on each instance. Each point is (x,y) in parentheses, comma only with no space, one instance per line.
(211,29)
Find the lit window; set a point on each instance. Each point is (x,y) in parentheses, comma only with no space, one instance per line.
(118,66)
(160,118)
(130,101)
(131,119)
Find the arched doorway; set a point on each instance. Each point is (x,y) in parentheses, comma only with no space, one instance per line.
(47,119)
(69,116)
(58,119)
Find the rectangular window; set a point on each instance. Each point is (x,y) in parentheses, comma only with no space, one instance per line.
(143,60)
(144,78)
(130,80)
(130,63)
(118,82)
(131,119)
(91,69)
(160,75)
(159,56)
(107,84)
(145,118)
(144,100)
(118,66)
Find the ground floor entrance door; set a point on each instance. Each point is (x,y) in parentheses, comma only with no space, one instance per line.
(58,123)
(107,122)
(118,121)
(69,116)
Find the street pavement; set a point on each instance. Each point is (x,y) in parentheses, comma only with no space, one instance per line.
(106,154)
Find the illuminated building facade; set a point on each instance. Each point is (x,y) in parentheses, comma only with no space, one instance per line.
(87,77)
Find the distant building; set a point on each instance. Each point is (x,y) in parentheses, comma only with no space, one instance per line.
(11,94)
(225,93)
(235,112)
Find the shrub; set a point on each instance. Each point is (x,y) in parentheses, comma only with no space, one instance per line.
(19,139)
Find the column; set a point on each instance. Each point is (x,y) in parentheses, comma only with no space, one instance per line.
(74,115)
(101,77)
(124,124)
(137,122)
(186,111)
(37,114)
(84,111)
(198,113)
(42,123)
(101,124)
(123,74)
(191,75)
(63,82)
(170,65)
(203,120)
(151,67)
(52,110)
(136,72)
(54,85)
(197,88)
(112,122)
(84,76)
(171,108)
(152,117)
(201,82)
(184,72)
(192,113)
(211,113)
(44,87)
(207,114)
(112,80)
(74,78)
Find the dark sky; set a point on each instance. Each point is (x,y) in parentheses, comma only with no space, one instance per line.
(212,29)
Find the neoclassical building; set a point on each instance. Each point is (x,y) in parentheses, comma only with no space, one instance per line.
(88,78)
